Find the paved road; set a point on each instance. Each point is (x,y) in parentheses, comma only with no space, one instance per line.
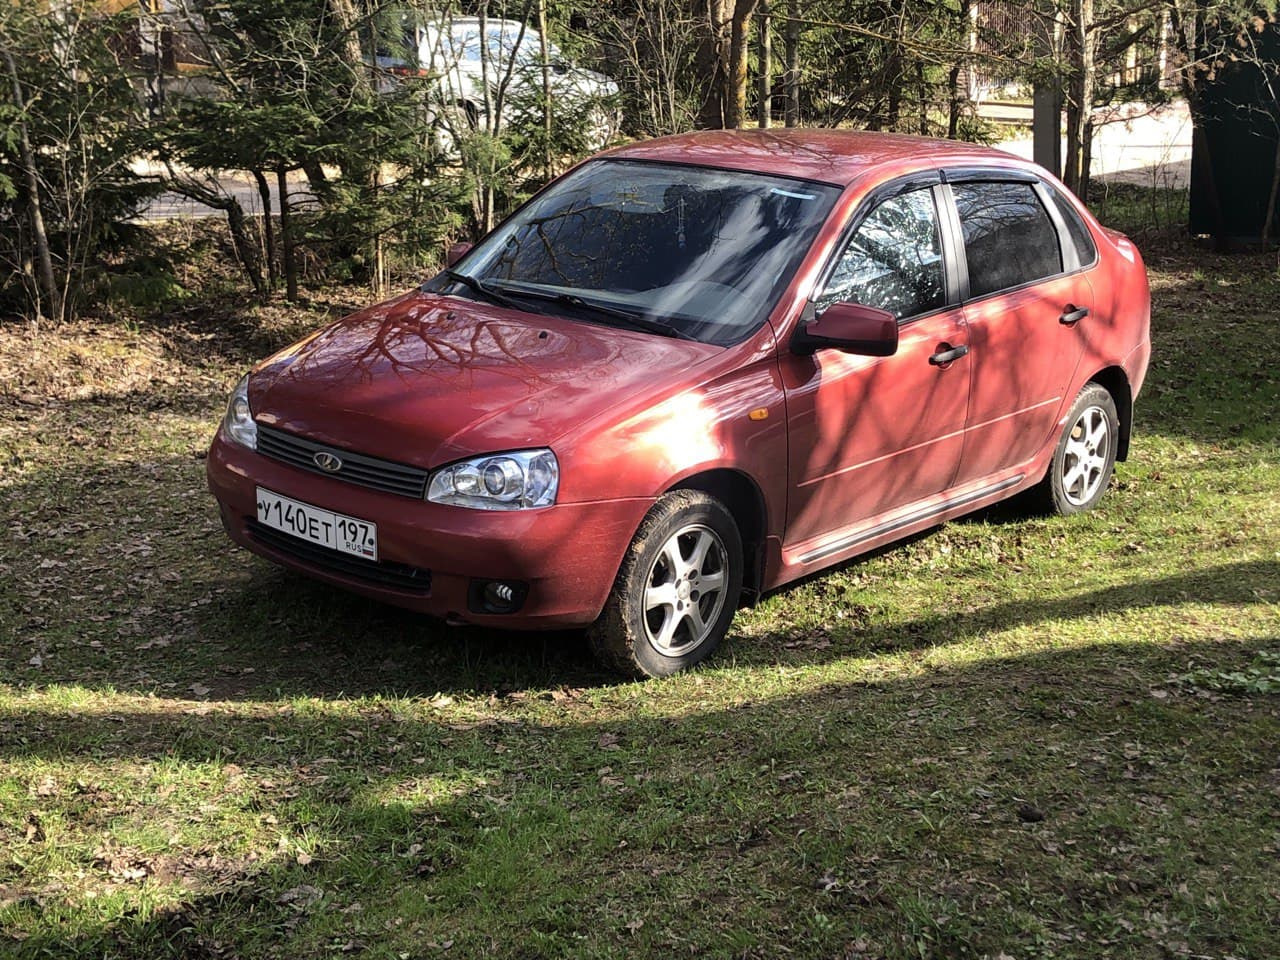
(174,206)
(1149,147)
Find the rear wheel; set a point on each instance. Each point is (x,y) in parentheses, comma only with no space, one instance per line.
(677,590)
(1085,456)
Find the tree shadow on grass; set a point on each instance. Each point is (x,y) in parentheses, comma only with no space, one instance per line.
(122,577)
(365,648)
(961,812)
(145,594)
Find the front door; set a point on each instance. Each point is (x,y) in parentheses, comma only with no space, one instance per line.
(868,435)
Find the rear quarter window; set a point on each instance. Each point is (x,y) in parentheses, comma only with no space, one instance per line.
(1081,239)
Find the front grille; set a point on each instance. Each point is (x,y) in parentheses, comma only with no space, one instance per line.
(398,576)
(356,467)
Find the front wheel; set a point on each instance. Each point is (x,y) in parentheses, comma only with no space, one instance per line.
(677,590)
(1085,456)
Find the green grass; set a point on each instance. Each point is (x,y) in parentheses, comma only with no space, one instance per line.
(1014,735)
(1140,211)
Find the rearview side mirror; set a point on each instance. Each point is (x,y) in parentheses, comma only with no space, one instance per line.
(851,327)
(456,252)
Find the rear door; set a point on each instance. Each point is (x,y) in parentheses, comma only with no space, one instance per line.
(1026,304)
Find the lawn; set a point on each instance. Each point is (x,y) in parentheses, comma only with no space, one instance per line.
(1012,737)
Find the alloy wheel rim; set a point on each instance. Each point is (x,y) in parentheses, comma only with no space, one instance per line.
(684,592)
(1084,463)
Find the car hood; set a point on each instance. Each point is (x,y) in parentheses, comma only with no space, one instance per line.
(426,379)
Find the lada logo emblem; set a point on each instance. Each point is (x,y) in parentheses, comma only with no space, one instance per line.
(326,461)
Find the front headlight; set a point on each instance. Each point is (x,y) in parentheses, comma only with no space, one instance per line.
(238,422)
(498,481)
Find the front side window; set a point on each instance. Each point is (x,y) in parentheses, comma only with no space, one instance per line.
(705,252)
(1009,239)
(894,259)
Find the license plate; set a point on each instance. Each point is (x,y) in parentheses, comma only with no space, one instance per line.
(336,531)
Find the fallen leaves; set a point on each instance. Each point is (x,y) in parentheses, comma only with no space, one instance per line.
(826,882)
(34,829)
(302,897)
(1030,813)
(122,866)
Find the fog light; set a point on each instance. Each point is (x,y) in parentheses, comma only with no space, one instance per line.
(496,596)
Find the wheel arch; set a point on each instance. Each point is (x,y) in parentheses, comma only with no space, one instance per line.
(1116,382)
(744,500)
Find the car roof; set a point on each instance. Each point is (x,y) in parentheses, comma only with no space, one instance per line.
(831,156)
(490,22)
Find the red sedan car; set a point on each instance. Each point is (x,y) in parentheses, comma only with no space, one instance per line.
(692,370)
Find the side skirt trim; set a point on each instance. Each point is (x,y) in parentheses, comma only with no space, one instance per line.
(889,526)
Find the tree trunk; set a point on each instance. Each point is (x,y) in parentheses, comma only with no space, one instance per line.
(736,78)
(316,178)
(1271,197)
(268,228)
(893,76)
(953,101)
(347,21)
(1086,161)
(246,251)
(923,87)
(711,62)
(792,81)
(1080,85)
(286,237)
(765,90)
(1188,30)
(544,55)
(46,282)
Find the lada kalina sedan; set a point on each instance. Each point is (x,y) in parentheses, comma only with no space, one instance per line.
(690,371)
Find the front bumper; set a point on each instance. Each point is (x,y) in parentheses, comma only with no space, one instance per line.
(567,554)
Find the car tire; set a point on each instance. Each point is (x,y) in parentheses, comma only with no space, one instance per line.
(1085,456)
(676,591)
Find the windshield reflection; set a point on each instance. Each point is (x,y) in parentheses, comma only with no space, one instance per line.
(708,252)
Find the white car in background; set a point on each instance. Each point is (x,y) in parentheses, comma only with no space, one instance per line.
(450,55)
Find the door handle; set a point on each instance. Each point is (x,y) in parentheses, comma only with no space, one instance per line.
(1072,314)
(945,356)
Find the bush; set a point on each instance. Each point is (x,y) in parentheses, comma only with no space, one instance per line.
(70,123)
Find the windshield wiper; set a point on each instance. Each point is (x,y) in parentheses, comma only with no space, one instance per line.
(636,320)
(482,288)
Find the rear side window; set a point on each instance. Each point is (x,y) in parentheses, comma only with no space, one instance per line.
(1079,233)
(1009,239)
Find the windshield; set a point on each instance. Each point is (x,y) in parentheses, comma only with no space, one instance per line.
(705,253)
